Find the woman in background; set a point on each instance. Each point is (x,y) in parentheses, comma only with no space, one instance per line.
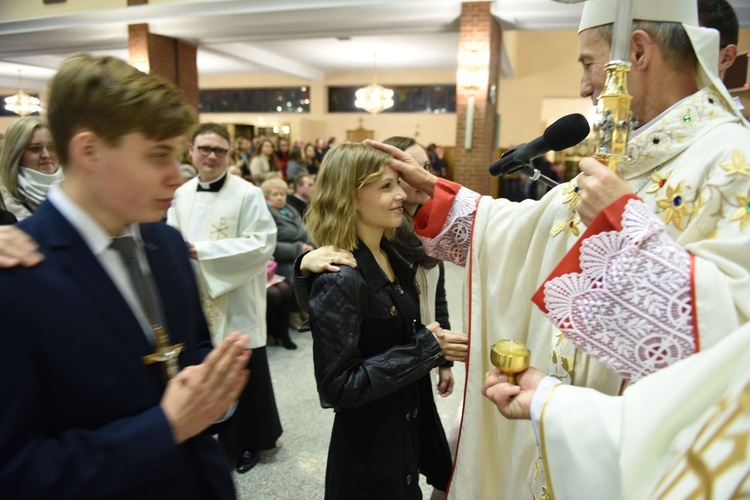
(371,352)
(263,163)
(311,158)
(291,241)
(282,156)
(297,164)
(430,273)
(28,166)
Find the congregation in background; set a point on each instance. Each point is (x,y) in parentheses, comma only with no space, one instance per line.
(172,258)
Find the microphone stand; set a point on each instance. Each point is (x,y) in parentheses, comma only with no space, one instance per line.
(535,175)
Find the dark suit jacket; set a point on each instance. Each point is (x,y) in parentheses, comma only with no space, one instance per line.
(296,203)
(81,415)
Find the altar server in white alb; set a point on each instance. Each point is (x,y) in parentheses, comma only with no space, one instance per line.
(231,236)
(689,166)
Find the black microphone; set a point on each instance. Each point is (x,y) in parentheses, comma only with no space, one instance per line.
(563,134)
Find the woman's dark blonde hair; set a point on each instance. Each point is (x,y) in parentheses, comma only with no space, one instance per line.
(331,218)
(17,137)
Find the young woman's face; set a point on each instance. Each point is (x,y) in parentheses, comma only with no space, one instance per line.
(310,152)
(415,197)
(267,148)
(380,204)
(40,152)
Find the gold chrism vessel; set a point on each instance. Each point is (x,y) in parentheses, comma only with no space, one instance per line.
(510,357)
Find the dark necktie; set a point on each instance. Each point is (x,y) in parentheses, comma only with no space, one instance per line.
(144,289)
(146,292)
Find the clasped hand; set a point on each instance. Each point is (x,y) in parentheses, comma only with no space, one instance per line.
(454,345)
(201,394)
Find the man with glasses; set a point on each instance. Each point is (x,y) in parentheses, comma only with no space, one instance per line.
(231,236)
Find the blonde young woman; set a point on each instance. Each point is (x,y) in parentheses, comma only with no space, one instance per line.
(28,166)
(371,352)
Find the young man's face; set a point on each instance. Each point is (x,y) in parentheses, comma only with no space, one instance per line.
(135,181)
(210,155)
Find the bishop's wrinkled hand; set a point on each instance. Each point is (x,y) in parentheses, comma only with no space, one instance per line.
(513,401)
(598,187)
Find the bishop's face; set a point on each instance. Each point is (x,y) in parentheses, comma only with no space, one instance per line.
(593,54)
(210,155)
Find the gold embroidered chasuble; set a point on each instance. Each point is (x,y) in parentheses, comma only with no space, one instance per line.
(682,432)
(699,150)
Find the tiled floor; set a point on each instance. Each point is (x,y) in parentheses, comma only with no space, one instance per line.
(297,471)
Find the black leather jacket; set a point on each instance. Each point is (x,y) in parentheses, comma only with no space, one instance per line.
(369,340)
(372,358)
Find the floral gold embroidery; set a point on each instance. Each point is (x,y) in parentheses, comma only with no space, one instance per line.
(570,195)
(567,363)
(674,206)
(738,165)
(742,213)
(574,226)
(559,228)
(659,179)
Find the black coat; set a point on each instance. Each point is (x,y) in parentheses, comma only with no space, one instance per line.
(372,358)
(6,218)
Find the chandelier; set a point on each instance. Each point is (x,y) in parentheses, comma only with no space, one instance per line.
(374,98)
(22,103)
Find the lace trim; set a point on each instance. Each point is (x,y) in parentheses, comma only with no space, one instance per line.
(454,240)
(630,307)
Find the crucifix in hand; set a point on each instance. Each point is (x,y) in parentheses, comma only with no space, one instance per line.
(164,353)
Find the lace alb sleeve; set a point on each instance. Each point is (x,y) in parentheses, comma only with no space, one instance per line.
(630,307)
(453,241)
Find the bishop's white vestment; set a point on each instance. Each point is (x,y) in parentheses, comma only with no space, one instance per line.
(691,166)
(682,432)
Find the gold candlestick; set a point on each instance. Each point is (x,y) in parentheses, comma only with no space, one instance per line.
(510,357)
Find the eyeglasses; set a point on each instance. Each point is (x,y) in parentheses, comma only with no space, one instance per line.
(219,152)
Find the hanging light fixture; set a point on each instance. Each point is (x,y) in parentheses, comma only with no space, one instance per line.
(22,103)
(374,98)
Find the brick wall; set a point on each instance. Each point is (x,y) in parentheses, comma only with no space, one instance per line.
(171,58)
(479,53)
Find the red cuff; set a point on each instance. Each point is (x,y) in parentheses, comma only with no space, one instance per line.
(609,219)
(430,219)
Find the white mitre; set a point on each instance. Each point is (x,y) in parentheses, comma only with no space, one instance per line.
(705,41)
